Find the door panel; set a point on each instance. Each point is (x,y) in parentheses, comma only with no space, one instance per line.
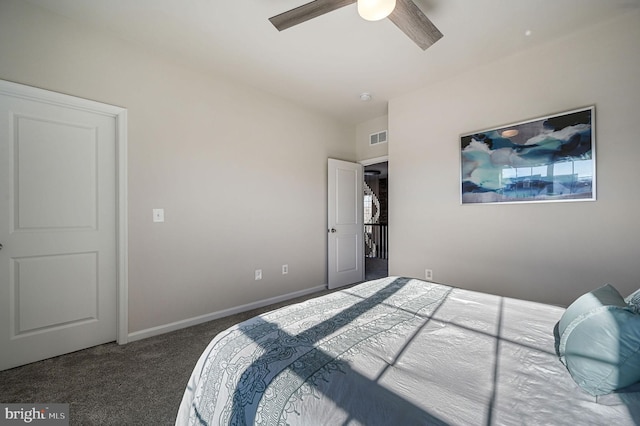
(347,253)
(54,291)
(345,220)
(58,265)
(56,166)
(346,187)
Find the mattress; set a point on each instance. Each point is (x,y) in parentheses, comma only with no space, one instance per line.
(395,351)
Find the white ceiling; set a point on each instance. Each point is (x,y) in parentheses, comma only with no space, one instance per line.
(327,62)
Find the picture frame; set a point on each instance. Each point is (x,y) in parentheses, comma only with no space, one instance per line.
(545,159)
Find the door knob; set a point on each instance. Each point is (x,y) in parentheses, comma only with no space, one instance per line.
(333,230)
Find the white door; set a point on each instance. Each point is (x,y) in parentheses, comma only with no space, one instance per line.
(57,229)
(345,220)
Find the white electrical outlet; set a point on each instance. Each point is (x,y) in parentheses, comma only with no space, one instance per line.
(428,274)
(285,269)
(258,274)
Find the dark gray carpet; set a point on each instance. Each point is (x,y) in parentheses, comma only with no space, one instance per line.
(376,268)
(140,383)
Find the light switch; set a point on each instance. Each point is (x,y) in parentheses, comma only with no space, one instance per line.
(158,215)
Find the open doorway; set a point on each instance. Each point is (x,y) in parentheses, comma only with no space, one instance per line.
(376,228)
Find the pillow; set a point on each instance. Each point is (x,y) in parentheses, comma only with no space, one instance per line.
(601,349)
(633,300)
(606,295)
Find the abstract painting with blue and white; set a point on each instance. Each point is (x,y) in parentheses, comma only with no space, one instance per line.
(547,159)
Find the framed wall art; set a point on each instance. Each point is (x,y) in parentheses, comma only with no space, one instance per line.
(546,159)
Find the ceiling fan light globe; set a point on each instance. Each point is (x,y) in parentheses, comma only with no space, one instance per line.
(375,10)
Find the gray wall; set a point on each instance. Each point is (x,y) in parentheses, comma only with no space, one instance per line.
(364,151)
(548,252)
(240,173)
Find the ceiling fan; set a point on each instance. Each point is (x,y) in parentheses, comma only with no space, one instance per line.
(405,14)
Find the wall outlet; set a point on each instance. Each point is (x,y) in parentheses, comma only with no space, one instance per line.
(258,274)
(428,274)
(285,269)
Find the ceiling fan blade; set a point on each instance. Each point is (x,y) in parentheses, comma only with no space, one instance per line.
(307,11)
(410,19)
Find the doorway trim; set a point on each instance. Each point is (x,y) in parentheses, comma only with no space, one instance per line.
(370,161)
(120,117)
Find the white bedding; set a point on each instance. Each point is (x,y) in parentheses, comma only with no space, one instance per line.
(395,351)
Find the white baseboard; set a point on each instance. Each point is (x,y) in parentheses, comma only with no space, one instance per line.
(161,329)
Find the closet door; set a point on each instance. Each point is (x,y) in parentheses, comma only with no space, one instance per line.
(58,210)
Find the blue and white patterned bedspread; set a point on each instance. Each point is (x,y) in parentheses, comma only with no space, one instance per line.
(389,352)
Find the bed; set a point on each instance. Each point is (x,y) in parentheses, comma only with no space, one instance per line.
(397,351)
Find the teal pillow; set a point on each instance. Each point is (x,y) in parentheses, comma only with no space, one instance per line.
(601,349)
(606,295)
(633,300)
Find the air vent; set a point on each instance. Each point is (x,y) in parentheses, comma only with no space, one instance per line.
(378,138)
